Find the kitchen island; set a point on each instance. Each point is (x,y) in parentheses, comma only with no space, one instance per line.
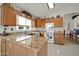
(23,45)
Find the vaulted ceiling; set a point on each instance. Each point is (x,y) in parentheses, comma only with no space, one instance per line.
(41,9)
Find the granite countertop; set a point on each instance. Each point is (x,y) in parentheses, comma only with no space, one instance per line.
(59,32)
(26,40)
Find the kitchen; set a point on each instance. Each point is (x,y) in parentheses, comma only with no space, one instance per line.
(23,34)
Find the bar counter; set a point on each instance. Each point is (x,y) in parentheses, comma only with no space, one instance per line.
(23,45)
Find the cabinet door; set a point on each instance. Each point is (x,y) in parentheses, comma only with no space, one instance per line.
(7,48)
(42,23)
(9,17)
(43,51)
(35,23)
(58,22)
(59,38)
(15,49)
(3,52)
(10,48)
(39,24)
(0,14)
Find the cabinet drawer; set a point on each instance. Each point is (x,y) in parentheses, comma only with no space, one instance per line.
(58,34)
(59,38)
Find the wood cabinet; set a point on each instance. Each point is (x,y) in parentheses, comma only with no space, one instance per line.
(0,14)
(39,23)
(9,16)
(59,38)
(3,48)
(34,23)
(43,51)
(42,23)
(12,48)
(58,22)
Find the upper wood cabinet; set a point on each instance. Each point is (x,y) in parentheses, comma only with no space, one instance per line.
(34,23)
(39,23)
(9,17)
(58,22)
(43,23)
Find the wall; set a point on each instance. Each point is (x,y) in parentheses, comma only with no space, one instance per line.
(75,22)
(68,19)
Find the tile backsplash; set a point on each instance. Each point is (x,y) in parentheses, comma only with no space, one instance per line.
(7,29)
(1,29)
(10,29)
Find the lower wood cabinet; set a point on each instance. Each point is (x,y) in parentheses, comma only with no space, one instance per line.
(43,51)
(59,38)
(10,48)
(3,52)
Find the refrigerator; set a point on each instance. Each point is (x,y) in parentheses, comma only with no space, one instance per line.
(49,32)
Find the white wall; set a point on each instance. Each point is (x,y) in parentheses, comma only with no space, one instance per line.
(75,22)
(68,19)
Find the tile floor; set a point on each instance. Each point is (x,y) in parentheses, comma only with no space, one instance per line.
(68,49)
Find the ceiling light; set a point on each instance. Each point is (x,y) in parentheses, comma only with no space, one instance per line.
(50,5)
